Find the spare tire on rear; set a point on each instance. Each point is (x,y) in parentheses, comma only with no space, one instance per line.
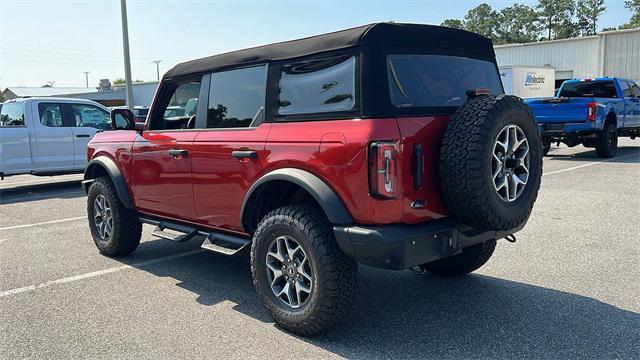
(491,163)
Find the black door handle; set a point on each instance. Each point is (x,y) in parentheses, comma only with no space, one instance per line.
(83,135)
(178,152)
(244,154)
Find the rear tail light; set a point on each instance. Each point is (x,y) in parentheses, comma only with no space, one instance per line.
(383,179)
(592,111)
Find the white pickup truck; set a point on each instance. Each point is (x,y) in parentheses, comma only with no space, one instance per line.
(48,136)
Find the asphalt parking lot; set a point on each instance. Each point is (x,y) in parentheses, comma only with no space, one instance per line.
(568,288)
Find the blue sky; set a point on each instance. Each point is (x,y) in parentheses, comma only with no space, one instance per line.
(57,41)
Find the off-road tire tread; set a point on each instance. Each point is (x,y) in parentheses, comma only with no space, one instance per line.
(602,143)
(471,259)
(127,229)
(339,271)
(463,158)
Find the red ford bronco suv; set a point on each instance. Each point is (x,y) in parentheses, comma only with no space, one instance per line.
(389,145)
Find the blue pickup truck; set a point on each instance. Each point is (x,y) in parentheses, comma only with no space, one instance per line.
(591,112)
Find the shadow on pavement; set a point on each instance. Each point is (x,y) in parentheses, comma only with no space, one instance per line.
(401,315)
(590,155)
(27,193)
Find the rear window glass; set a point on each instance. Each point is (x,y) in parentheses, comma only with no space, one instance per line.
(11,114)
(602,88)
(438,80)
(318,86)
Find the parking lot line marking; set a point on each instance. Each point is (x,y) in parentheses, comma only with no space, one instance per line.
(43,196)
(587,164)
(42,223)
(97,273)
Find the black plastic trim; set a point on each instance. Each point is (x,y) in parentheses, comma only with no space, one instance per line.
(331,204)
(116,177)
(401,246)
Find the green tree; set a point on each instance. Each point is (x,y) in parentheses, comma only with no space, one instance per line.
(118,81)
(588,12)
(517,24)
(483,20)
(556,15)
(634,22)
(453,23)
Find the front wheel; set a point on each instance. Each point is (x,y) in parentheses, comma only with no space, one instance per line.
(303,278)
(607,142)
(114,228)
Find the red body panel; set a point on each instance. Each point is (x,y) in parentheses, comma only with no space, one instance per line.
(161,183)
(208,186)
(220,181)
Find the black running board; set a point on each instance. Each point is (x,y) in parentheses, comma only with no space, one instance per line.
(213,241)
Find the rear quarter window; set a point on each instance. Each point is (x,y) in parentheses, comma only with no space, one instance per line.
(318,86)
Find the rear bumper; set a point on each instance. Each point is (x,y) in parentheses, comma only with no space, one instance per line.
(401,246)
(558,129)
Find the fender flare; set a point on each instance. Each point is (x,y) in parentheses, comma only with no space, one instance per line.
(114,173)
(329,201)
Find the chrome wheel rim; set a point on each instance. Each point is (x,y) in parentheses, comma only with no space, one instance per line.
(289,272)
(510,163)
(102,217)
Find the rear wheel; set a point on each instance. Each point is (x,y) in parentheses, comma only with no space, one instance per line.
(471,259)
(546,146)
(607,142)
(303,278)
(114,228)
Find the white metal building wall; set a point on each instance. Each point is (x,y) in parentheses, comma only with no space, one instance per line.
(622,55)
(615,53)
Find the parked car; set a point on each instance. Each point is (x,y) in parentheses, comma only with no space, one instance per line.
(391,145)
(48,136)
(141,113)
(591,112)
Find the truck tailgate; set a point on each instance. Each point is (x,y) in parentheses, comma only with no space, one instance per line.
(560,110)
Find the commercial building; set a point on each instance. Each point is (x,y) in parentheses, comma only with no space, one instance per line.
(107,95)
(611,53)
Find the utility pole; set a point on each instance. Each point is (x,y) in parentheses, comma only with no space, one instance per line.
(157,62)
(127,60)
(86,77)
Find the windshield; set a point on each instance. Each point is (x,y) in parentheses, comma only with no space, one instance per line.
(438,80)
(601,89)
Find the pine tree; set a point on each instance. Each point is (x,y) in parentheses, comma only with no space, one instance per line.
(588,12)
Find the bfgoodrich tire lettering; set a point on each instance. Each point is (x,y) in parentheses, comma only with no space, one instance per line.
(126,230)
(334,274)
(466,156)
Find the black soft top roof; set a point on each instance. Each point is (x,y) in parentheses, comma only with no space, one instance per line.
(410,35)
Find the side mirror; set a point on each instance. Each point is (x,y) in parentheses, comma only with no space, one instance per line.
(123,119)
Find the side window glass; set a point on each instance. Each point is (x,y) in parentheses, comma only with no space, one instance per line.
(90,116)
(626,91)
(318,86)
(236,98)
(50,114)
(180,112)
(635,89)
(11,114)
